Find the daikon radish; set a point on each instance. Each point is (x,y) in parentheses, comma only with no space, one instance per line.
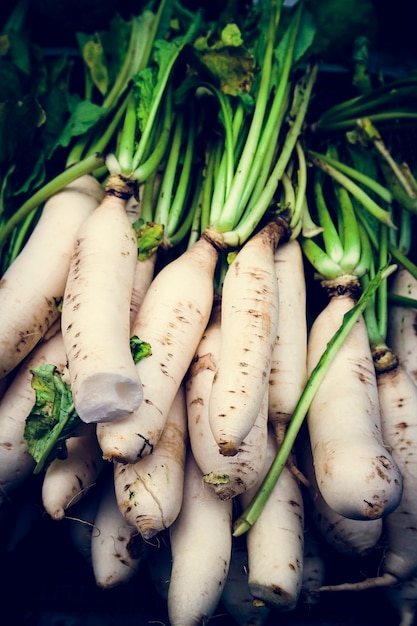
(96,312)
(398,401)
(289,358)
(350,537)
(249,323)
(356,474)
(16,463)
(228,475)
(275,543)
(144,274)
(172,319)
(201,535)
(149,492)
(32,287)
(117,549)
(402,321)
(403,598)
(236,597)
(67,480)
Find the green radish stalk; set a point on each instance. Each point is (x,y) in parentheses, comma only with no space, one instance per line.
(32,287)
(350,537)
(201,534)
(227,475)
(356,474)
(68,480)
(402,320)
(249,323)
(289,358)
(236,597)
(172,319)
(117,549)
(16,463)
(95,312)
(149,492)
(275,543)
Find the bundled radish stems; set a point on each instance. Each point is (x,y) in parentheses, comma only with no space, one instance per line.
(236,195)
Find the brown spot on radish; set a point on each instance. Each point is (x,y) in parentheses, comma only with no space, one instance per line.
(199,401)
(386,462)
(292,567)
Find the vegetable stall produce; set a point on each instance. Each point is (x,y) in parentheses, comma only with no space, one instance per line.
(207,281)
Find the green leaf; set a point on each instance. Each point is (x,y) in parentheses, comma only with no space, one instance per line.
(145,82)
(149,237)
(84,116)
(95,59)
(305,37)
(53,417)
(228,60)
(140,349)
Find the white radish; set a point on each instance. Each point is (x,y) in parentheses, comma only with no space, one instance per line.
(144,274)
(68,479)
(289,358)
(236,597)
(402,321)
(96,312)
(32,287)
(249,323)
(398,400)
(117,549)
(172,319)
(228,475)
(149,492)
(201,534)
(275,542)
(351,537)
(356,474)
(16,463)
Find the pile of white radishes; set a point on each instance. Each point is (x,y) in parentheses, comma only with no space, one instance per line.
(181,440)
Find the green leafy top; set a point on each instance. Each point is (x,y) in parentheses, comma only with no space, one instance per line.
(228,60)
(53,417)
